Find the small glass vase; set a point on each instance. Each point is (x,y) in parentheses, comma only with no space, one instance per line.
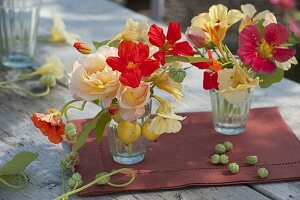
(128,153)
(229,118)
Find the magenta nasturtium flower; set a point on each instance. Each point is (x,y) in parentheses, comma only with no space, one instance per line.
(260,50)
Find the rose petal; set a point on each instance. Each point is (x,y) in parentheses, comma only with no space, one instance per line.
(283,54)
(276,34)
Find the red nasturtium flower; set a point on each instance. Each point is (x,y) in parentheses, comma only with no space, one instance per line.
(210,77)
(133,63)
(261,50)
(168,45)
(51,125)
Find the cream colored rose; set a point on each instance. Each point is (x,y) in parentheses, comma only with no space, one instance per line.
(93,79)
(132,101)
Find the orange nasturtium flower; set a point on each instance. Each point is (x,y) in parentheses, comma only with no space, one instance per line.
(51,125)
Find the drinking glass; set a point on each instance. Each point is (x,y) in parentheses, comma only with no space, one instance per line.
(128,153)
(18,32)
(228,118)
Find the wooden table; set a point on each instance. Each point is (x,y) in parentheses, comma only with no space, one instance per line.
(98,20)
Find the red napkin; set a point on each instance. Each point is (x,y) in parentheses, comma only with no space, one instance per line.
(183,159)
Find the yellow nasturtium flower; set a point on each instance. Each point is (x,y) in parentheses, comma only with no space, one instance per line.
(136,31)
(53,66)
(166,83)
(59,32)
(165,120)
(249,16)
(216,22)
(234,84)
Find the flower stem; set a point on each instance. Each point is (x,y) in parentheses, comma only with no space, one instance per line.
(158,79)
(74,107)
(20,78)
(62,110)
(26,91)
(16,186)
(222,52)
(100,178)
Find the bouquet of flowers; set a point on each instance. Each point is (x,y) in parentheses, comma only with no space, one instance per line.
(120,77)
(264,54)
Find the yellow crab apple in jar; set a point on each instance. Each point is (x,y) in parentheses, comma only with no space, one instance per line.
(128,132)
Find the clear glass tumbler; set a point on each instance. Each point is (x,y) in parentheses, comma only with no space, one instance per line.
(18,32)
(128,153)
(228,118)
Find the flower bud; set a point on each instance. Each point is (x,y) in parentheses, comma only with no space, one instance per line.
(48,80)
(233,168)
(215,159)
(224,159)
(220,149)
(177,75)
(251,160)
(70,130)
(228,145)
(198,38)
(262,172)
(102,181)
(82,48)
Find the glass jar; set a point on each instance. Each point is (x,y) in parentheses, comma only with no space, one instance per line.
(128,153)
(229,118)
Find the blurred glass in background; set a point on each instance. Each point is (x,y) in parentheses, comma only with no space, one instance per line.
(18,32)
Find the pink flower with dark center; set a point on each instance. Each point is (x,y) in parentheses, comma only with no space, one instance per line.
(284,4)
(260,50)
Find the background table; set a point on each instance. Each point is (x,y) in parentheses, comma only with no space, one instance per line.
(99,20)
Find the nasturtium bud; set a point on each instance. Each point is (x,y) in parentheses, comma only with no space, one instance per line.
(224,159)
(70,130)
(77,177)
(233,168)
(71,183)
(48,80)
(102,181)
(251,160)
(220,149)
(215,159)
(82,48)
(228,145)
(262,172)
(177,75)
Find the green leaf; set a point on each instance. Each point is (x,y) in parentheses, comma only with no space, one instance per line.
(268,80)
(177,75)
(101,125)
(187,59)
(97,45)
(88,127)
(19,163)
